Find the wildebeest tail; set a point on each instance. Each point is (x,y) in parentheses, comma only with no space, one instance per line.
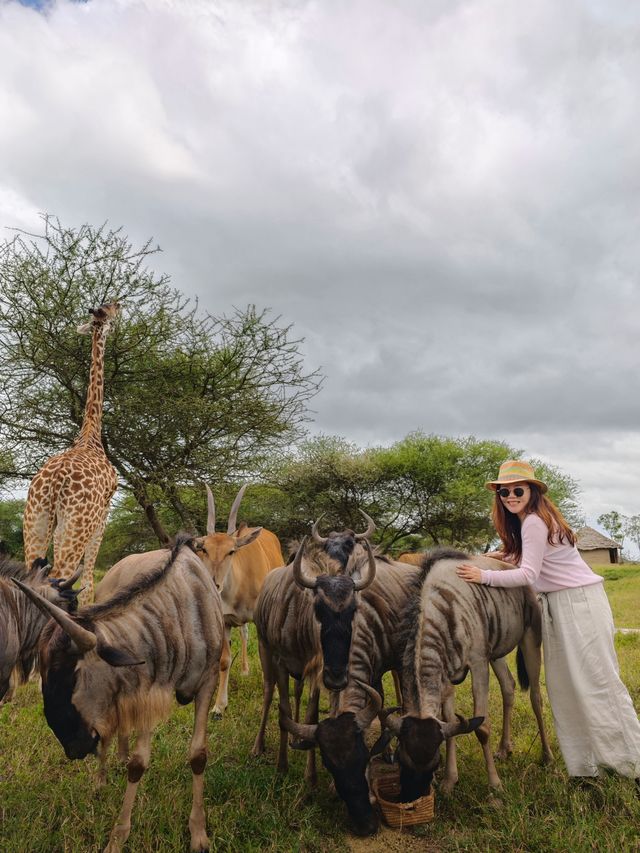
(523,675)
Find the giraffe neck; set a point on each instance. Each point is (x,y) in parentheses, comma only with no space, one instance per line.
(91,430)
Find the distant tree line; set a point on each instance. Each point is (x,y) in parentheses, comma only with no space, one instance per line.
(193,398)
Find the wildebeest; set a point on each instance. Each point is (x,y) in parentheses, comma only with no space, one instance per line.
(304,623)
(452,628)
(115,667)
(21,623)
(239,560)
(376,647)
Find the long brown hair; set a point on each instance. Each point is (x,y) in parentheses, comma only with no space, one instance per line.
(508,525)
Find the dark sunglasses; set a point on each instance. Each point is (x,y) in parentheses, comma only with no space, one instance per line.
(518,491)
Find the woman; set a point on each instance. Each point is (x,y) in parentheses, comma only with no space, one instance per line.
(594,717)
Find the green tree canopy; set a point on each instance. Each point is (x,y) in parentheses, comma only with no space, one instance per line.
(188,396)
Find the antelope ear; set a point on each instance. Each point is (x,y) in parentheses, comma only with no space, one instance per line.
(114,657)
(246,540)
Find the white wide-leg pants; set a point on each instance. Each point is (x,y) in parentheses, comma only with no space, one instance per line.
(595,721)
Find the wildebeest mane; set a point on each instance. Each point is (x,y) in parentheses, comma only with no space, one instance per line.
(10,568)
(142,584)
(413,608)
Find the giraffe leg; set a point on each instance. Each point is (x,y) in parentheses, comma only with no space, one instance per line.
(37,533)
(90,555)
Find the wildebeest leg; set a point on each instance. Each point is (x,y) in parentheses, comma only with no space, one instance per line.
(268,684)
(244,639)
(198,761)
(284,708)
(450,765)
(397,686)
(222,698)
(532,660)
(123,747)
(298,687)
(103,751)
(507,688)
(480,689)
(138,763)
(310,773)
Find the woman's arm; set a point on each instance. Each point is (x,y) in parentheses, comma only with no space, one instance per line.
(534,542)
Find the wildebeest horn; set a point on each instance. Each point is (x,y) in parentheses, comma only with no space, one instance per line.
(370,529)
(231,526)
(84,640)
(366,716)
(314,531)
(461,727)
(69,582)
(211,511)
(299,575)
(394,723)
(368,579)
(304,731)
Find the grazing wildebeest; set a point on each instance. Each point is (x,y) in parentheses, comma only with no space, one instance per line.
(304,624)
(239,561)
(453,627)
(21,623)
(376,648)
(115,667)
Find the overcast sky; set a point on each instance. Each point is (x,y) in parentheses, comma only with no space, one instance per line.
(442,197)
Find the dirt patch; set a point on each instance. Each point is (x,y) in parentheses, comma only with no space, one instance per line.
(392,841)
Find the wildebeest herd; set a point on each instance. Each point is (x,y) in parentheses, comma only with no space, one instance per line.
(338,616)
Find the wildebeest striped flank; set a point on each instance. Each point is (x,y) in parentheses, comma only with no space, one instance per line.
(115,667)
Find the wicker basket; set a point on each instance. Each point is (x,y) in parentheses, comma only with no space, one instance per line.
(386,789)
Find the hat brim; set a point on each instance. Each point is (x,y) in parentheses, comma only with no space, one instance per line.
(493,485)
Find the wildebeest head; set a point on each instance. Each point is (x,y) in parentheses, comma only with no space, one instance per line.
(62,648)
(334,606)
(345,755)
(419,748)
(216,550)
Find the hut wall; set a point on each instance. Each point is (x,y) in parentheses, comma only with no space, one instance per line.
(596,556)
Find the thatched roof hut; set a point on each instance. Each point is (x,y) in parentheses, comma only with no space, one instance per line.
(596,548)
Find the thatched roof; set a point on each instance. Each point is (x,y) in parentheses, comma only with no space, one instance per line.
(589,539)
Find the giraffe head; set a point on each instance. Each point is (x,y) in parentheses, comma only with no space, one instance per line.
(103,317)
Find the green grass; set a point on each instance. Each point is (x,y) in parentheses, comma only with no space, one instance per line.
(51,805)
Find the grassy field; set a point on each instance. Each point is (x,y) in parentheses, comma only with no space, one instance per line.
(51,805)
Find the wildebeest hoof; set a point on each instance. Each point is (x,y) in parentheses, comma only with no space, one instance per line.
(494,801)
(502,754)
(447,786)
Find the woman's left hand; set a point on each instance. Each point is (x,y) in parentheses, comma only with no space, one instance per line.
(469,573)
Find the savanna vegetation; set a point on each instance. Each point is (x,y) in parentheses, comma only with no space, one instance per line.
(50,805)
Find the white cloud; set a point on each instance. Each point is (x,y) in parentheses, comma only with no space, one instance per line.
(442,197)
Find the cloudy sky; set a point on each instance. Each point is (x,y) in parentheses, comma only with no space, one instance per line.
(442,197)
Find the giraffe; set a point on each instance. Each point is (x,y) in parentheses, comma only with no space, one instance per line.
(72,491)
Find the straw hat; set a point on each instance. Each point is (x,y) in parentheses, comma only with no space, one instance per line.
(515,471)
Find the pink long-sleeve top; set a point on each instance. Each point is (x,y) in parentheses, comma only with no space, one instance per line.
(546,567)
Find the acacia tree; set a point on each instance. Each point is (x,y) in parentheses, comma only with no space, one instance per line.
(423,490)
(615,524)
(188,396)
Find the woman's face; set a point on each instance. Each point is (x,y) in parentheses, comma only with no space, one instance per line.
(515,497)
